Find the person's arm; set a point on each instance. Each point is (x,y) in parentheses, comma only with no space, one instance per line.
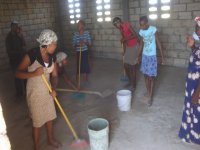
(63,73)
(89,40)
(8,44)
(133,35)
(191,42)
(21,36)
(141,44)
(22,72)
(196,95)
(54,77)
(74,41)
(123,43)
(159,46)
(86,40)
(54,80)
(69,82)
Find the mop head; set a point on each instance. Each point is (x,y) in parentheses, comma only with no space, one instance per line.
(79,144)
(124,78)
(78,96)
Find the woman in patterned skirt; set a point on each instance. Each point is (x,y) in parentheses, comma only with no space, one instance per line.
(36,62)
(190,128)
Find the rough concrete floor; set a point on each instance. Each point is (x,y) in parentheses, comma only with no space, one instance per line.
(142,128)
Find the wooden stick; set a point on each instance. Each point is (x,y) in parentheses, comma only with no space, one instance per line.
(123,60)
(79,68)
(61,109)
(81,91)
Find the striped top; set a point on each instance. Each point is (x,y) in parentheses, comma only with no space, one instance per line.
(77,38)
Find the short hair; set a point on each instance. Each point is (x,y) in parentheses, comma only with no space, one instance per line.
(13,25)
(144,18)
(116,20)
(82,22)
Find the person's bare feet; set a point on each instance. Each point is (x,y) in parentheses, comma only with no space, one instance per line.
(147,99)
(54,143)
(150,101)
(146,95)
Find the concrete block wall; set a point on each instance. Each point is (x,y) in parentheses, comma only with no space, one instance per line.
(37,15)
(33,17)
(106,38)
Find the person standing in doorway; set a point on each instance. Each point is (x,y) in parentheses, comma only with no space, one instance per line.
(37,62)
(129,41)
(15,46)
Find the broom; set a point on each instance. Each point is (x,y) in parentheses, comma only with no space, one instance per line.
(78,142)
(123,78)
(78,95)
(106,93)
(79,67)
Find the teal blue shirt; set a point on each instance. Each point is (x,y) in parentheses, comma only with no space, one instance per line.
(149,38)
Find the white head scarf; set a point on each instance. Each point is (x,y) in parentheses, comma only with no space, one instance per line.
(15,22)
(47,37)
(60,56)
(197,19)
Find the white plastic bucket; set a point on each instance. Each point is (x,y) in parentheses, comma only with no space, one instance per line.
(124,100)
(98,130)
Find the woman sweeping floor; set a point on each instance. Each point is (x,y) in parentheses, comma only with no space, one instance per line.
(36,62)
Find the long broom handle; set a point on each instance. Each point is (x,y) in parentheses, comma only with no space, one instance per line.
(82,91)
(61,109)
(79,69)
(123,60)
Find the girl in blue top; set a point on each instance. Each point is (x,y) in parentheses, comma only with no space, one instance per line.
(148,40)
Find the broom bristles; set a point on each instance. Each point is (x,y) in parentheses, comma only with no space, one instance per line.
(79,144)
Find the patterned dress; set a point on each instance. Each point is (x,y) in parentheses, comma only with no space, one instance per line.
(190,127)
(40,103)
(149,58)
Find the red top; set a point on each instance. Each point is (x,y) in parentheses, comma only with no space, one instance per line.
(126,32)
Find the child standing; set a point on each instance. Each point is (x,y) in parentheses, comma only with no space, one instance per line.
(130,44)
(148,41)
(81,42)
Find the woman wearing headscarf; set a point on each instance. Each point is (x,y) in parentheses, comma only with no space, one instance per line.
(61,59)
(190,128)
(36,62)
